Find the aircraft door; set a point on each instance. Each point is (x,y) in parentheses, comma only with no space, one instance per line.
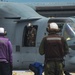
(25,49)
(29,36)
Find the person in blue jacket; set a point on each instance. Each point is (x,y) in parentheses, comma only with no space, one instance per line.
(5,54)
(37,68)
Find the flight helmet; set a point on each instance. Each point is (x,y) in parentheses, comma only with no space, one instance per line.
(53,27)
(2,31)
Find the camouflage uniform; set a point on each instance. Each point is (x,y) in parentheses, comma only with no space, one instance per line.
(53,54)
(31,36)
(54,68)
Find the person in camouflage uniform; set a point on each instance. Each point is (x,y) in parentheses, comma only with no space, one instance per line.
(55,48)
(31,35)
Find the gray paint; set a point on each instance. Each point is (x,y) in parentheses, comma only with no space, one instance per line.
(14,26)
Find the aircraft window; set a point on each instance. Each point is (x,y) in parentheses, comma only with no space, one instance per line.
(69,31)
(60,25)
(29,36)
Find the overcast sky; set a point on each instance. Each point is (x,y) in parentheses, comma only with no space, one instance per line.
(40,0)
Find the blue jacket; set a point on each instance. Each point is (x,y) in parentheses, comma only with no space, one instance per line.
(39,67)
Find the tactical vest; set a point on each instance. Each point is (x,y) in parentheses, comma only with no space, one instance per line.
(54,47)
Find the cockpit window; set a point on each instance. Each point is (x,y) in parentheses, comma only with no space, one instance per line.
(69,31)
(67,27)
(29,36)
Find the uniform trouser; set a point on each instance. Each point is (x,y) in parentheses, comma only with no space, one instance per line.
(54,68)
(5,69)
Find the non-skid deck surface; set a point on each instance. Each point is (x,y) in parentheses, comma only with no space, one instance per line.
(27,72)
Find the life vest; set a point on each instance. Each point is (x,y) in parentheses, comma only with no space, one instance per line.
(54,47)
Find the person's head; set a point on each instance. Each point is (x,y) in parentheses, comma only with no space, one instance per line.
(53,27)
(2,31)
